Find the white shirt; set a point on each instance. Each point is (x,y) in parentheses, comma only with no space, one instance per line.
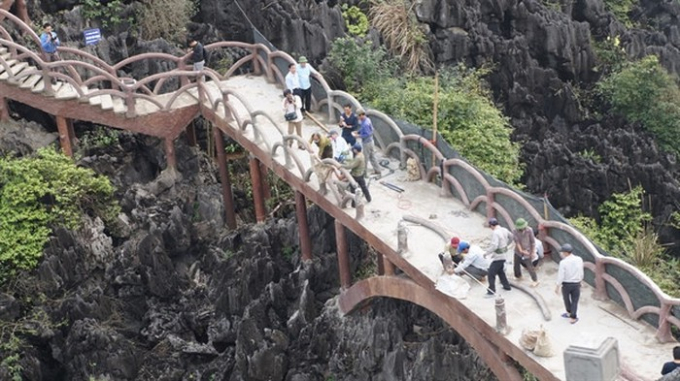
(292,81)
(340,146)
(539,251)
(293,107)
(501,238)
(571,269)
(474,257)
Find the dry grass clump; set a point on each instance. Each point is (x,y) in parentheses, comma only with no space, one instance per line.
(165,19)
(402,34)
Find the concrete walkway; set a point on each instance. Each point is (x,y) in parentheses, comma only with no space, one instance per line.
(640,351)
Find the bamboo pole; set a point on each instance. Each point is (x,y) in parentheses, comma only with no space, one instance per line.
(434,115)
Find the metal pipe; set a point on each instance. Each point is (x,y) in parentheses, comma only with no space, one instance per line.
(343,256)
(227,196)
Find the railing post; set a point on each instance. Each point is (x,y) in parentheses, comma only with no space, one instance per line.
(128,83)
(490,199)
(170,153)
(227,196)
(64,136)
(303,226)
(258,197)
(256,63)
(47,80)
(600,287)
(501,320)
(663,333)
(402,238)
(4,109)
(343,256)
(22,12)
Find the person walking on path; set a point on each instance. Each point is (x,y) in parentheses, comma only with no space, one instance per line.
(473,262)
(49,42)
(197,55)
(349,123)
(501,239)
(357,169)
(292,80)
(366,134)
(292,104)
(305,72)
(672,365)
(569,277)
(525,245)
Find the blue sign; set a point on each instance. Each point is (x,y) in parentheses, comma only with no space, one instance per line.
(92,36)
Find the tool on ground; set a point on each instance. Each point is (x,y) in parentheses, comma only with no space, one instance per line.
(392,186)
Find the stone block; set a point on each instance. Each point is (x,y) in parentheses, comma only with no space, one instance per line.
(590,363)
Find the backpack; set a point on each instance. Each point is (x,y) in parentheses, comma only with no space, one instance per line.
(206,56)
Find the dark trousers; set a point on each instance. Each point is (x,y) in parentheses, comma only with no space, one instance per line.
(362,184)
(496,268)
(526,263)
(306,95)
(571,292)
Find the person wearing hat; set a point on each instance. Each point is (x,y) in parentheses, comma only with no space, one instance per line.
(525,246)
(453,257)
(366,134)
(569,277)
(305,72)
(341,149)
(473,262)
(357,168)
(501,239)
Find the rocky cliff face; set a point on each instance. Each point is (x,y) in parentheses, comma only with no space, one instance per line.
(544,63)
(168,294)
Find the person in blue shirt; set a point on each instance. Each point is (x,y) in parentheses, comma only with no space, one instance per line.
(305,71)
(671,365)
(366,134)
(50,43)
(348,123)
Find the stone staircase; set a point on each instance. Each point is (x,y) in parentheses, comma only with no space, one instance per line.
(60,90)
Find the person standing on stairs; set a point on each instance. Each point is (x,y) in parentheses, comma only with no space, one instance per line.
(197,54)
(501,240)
(569,278)
(305,72)
(292,114)
(357,168)
(525,246)
(49,42)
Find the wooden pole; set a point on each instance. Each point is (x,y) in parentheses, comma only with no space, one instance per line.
(64,136)
(303,226)
(343,256)
(435,113)
(227,196)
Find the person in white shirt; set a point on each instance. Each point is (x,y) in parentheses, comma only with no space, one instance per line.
(473,262)
(305,71)
(341,149)
(292,80)
(291,106)
(569,277)
(501,240)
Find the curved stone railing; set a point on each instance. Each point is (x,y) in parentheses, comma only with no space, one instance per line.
(457,177)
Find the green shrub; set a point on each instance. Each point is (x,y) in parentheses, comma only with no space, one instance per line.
(110,15)
(644,92)
(356,21)
(621,9)
(359,63)
(41,192)
(467,118)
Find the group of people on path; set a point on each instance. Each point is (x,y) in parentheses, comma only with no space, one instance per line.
(461,257)
(298,81)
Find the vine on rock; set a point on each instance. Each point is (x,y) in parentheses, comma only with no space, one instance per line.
(41,192)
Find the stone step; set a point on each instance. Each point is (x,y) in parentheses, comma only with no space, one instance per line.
(66,91)
(5,56)
(3,50)
(86,91)
(21,80)
(96,100)
(119,106)
(10,63)
(106,102)
(40,87)
(31,81)
(15,69)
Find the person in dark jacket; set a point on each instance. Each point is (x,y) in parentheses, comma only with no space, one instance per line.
(672,365)
(197,54)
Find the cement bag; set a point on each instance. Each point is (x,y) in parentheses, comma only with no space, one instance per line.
(453,286)
(528,339)
(543,347)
